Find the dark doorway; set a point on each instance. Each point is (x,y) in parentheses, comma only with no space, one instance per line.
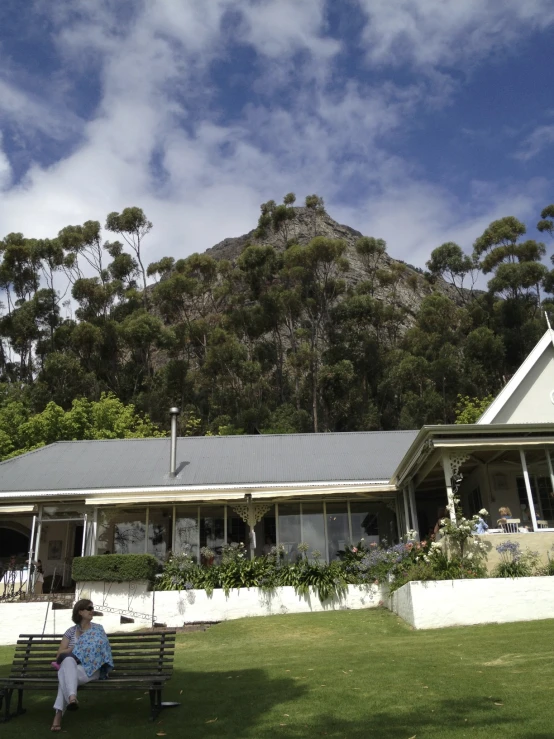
(13,542)
(78,542)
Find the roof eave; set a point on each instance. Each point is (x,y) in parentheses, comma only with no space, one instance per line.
(427,433)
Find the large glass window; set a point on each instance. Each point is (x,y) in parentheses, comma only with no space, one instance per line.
(523,500)
(237,530)
(338,534)
(365,522)
(121,531)
(186,531)
(212,531)
(160,524)
(289,529)
(313,528)
(541,488)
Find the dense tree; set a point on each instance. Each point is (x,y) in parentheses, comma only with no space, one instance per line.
(285,338)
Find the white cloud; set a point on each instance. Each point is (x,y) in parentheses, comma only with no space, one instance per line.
(5,169)
(436,33)
(158,141)
(414,217)
(541,138)
(32,113)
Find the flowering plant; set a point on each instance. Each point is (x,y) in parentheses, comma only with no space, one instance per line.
(514,562)
(459,532)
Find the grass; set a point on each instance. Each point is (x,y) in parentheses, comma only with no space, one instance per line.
(341,674)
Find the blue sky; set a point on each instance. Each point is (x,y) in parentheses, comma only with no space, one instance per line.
(418,122)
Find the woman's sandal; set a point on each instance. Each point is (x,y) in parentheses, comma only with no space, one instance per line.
(56,727)
(73,705)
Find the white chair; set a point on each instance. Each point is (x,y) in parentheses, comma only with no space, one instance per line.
(542,524)
(511,526)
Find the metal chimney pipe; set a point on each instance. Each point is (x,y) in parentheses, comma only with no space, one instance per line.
(173,412)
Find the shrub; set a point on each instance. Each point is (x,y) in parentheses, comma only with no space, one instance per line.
(115,567)
(238,571)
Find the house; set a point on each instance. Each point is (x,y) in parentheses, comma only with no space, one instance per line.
(327,490)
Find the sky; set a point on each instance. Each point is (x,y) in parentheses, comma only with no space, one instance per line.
(418,122)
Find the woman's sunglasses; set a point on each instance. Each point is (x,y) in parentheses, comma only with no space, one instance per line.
(89,608)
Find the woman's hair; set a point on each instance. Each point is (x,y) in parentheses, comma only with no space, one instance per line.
(504,511)
(79,606)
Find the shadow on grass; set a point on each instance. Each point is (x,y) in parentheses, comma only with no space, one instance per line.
(230,703)
(450,718)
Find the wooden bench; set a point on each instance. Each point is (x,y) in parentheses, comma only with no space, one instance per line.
(142,661)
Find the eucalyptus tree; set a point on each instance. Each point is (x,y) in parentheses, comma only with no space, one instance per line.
(132,225)
(277,219)
(370,252)
(516,264)
(318,270)
(449,262)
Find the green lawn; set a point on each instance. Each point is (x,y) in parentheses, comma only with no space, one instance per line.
(346,674)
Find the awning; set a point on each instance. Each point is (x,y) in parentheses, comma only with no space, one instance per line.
(18,509)
(184,497)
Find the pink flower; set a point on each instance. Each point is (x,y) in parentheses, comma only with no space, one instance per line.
(354,549)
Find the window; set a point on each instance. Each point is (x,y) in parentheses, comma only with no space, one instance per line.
(475,501)
(212,530)
(544,486)
(338,534)
(160,524)
(121,531)
(289,529)
(313,528)
(186,531)
(365,522)
(522,493)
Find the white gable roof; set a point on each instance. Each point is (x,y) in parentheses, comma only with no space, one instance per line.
(529,396)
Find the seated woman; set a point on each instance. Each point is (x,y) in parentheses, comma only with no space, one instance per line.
(84,655)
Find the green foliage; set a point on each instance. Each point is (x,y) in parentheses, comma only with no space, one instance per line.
(115,568)
(515,563)
(237,570)
(107,418)
(469,410)
(284,339)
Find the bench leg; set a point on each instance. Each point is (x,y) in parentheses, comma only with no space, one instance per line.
(154,705)
(7,698)
(20,709)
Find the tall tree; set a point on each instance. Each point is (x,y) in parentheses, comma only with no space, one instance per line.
(133,226)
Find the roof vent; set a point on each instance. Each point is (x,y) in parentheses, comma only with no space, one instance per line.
(173,412)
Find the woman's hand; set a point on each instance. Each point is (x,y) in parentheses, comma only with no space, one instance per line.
(64,647)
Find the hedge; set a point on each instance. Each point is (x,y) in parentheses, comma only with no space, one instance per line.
(115,567)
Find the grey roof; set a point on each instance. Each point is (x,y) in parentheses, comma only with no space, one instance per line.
(208,460)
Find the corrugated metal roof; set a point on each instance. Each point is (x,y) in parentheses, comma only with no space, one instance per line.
(208,460)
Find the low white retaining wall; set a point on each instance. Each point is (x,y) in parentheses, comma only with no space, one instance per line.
(175,608)
(434,605)
(188,606)
(29,618)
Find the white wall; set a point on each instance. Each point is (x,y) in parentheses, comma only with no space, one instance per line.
(29,618)
(531,402)
(434,605)
(175,608)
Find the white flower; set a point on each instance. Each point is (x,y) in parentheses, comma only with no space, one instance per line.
(483,512)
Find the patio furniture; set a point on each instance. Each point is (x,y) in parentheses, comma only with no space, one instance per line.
(542,524)
(511,526)
(143,661)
